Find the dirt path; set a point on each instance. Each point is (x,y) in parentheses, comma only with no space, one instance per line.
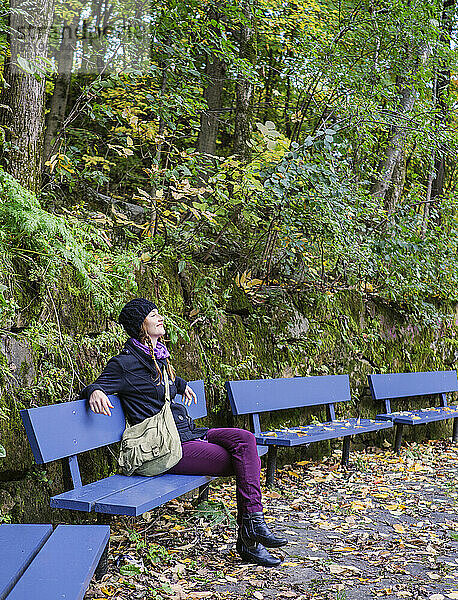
(387,528)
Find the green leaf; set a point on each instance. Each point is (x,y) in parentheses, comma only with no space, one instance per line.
(25,65)
(130,569)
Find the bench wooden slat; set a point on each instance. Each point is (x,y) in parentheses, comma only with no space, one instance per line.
(418,417)
(401,385)
(263,395)
(84,498)
(61,430)
(65,564)
(19,544)
(153,492)
(199,410)
(308,434)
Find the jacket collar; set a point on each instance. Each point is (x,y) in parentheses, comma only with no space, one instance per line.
(146,360)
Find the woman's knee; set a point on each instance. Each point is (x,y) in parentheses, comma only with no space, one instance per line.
(246,436)
(231,435)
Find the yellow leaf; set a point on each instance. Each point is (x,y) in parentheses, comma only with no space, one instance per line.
(357,505)
(399,528)
(194,212)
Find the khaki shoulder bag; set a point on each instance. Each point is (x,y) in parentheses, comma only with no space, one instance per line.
(152,446)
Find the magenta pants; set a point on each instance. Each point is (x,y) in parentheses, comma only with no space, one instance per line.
(226,451)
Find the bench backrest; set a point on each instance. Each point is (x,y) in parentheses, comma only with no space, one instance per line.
(401,385)
(263,395)
(67,429)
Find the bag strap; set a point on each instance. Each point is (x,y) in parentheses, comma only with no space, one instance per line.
(166,385)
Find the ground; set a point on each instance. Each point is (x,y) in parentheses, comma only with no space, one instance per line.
(384,528)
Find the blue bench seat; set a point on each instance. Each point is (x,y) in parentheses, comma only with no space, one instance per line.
(132,496)
(62,431)
(422,415)
(394,387)
(260,396)
(41,564)
(317,432)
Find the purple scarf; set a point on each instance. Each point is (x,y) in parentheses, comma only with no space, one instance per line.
(160,351)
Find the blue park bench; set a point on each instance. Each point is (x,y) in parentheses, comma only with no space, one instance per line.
(37,563)
(257,396)
(62,431)
(394,386)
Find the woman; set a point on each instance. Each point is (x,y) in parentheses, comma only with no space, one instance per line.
(135,376)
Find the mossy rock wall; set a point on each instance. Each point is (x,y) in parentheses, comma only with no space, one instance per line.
(232,335)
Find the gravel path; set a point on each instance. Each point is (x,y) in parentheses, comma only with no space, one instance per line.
(385,528)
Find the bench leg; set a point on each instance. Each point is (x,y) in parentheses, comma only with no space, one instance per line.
(271,466)
(102,567)
(345,450)
(203,493)
(455,430)
(398,438)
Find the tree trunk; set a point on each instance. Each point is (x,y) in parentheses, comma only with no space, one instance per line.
(396,141)
(397,183)
(271,76)
(22,113)
(286,112)
(429,189)
(244,85)
(442,91)
(59,98)
(389,164)
(215,70)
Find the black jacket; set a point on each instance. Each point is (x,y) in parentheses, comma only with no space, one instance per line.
(132,376)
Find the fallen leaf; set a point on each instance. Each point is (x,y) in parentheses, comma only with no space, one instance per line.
(339,569)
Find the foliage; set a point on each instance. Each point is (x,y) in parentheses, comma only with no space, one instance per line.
(46,244)
(330,84)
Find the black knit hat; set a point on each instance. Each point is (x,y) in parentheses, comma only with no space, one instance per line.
(133,314)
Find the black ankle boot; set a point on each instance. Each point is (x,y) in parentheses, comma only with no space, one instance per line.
(256,554)
(254,529)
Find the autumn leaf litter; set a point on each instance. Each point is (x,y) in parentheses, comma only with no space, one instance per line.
(385,528)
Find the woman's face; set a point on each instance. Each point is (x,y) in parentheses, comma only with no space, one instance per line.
(154,324)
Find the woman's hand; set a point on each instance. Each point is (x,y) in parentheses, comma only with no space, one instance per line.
(100,403)
(189,396)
